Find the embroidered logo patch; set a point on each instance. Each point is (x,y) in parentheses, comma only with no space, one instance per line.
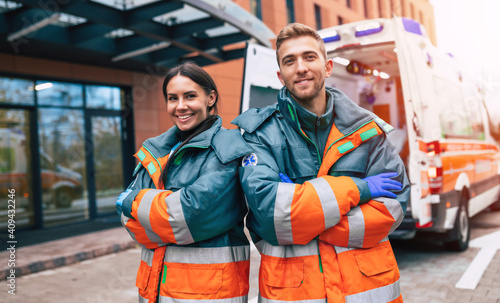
(250,159)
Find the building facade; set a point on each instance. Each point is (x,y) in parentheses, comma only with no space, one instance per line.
(69,129)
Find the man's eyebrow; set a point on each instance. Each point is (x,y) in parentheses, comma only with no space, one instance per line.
(286,57)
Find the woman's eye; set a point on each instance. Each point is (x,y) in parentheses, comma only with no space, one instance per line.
(172,98)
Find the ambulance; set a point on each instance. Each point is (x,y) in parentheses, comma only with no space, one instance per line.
(437,107)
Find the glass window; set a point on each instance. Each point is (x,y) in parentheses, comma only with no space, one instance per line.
(290,10)
(62,158)
(104,97)
(317,15)
(59,93)
(256,9)
(15,167)
(108,166)
(452,111)
(16,91)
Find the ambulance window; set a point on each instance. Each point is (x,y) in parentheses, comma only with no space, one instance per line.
(473,108)
(262,96)
(453,115)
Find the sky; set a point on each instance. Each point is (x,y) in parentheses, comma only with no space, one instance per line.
(470,30)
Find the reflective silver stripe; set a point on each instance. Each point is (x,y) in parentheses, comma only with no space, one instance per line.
(328,201)
(243,299)
(394,207)
(264,300)
(340,249)
(177,220)
(143,214)
(288,251)
(386,293)
(282,212)
(207,255)
(356,227)
(124,220)
(142,299)
(147,255)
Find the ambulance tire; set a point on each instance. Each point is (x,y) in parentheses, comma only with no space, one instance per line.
(459,236)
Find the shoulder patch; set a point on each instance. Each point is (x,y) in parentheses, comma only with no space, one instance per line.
(386,127)
(249,160)
(254,117)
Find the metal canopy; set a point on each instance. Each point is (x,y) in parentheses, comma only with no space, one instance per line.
(140,35)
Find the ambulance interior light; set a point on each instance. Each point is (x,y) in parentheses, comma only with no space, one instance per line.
(341,61)
(368,29)
(330,36)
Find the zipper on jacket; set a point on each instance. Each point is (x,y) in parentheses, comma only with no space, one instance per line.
(292,112)
(164,274)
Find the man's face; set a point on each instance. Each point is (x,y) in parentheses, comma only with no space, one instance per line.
(303,69)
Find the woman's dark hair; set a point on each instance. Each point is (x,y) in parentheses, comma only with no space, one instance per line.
(198,75)
(203,79)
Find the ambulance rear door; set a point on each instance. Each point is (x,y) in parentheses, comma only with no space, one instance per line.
(260,79)
(415,63)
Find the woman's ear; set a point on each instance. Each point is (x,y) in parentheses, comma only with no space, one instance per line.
(212,98)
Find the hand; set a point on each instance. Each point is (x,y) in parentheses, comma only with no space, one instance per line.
(381,184)
(284,178)
(119,202)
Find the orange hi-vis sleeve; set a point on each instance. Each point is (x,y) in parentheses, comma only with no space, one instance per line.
(322,209)
(151,224)
(365,225)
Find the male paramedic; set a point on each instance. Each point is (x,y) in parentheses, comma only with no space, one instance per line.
(324,186)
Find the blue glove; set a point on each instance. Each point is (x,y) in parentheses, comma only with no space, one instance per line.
(381,184)
(284,178)
(119,202)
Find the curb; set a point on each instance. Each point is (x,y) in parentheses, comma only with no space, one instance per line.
(71,250)
(59,261)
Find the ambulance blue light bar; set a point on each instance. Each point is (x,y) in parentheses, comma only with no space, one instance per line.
(330,36)
(412,26)
(368,29)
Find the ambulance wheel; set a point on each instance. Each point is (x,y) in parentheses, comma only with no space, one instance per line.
(460,234)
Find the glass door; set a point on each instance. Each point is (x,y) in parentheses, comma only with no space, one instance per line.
(16,175)
(107,171)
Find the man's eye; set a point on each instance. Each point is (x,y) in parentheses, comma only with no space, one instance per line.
(288,61)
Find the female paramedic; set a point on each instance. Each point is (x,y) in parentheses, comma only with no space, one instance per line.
(185,206)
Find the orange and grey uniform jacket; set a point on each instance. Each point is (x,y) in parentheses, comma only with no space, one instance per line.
(321,238)
(193,245)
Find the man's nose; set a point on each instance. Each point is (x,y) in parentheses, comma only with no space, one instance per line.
(301,66)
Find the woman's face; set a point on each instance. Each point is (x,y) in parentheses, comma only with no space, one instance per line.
(187,102)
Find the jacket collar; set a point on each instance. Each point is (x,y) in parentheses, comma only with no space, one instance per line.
(301,117)
(347,115)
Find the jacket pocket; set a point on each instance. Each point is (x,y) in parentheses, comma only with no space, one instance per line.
(375,261)
(282,272)
(143,276)
(194,278)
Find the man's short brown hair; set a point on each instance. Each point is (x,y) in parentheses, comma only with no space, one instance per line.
(295,30)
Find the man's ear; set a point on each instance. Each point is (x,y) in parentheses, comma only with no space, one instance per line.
(281,78)
(329,68)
